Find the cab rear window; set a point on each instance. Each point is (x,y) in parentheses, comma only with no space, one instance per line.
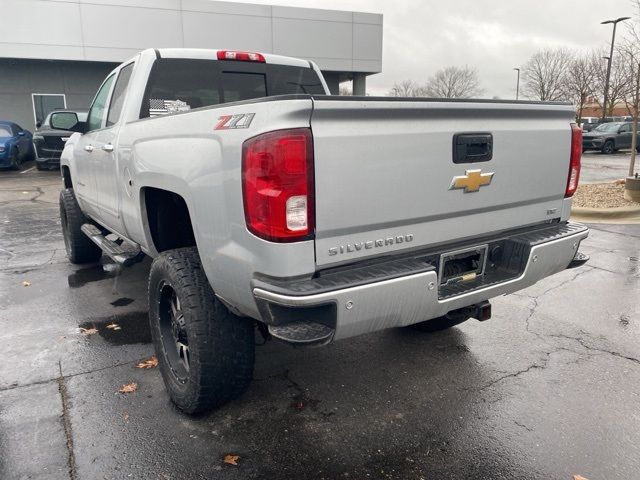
(178,84)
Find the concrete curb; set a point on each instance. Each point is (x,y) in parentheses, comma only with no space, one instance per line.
(606,215)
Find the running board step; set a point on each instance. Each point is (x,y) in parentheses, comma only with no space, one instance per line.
(302,333)
(118,254)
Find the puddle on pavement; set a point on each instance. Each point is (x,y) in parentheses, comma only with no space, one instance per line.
(134,328)
(122,302)
(92,274)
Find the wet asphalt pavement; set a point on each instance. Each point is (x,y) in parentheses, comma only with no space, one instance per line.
(597,168)
(547,389)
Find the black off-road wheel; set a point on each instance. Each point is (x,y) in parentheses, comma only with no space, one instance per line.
(80,249)
(206,354)
(608,147)
(438,324)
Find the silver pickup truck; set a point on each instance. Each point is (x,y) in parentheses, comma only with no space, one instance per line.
(270,206)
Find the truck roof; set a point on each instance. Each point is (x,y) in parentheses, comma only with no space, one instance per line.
(211,54)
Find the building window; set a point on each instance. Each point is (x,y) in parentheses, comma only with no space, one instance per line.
(45,103)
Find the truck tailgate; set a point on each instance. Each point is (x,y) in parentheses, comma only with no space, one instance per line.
(384,171)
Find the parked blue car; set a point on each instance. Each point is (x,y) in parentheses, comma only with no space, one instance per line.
(16,145)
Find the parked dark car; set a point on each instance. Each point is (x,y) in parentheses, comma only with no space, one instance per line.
(51,136)
(16,146)
(589,123)
(608,137)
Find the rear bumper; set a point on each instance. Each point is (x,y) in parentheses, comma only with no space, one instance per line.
(406,291)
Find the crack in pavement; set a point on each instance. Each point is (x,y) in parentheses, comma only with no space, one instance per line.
(66,422)
(536,298)
(72,375)
(542,363)
(523,426)
(594,349)
(534,366)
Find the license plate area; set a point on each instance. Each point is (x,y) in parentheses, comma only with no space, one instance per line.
(462,265)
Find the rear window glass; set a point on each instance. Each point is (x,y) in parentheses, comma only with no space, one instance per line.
(5,131)
(178,84)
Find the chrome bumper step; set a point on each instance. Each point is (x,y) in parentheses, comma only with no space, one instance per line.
(302,333)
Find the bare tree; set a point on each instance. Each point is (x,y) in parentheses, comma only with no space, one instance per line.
(345,90)
(579,81)
(545,73)
(407,88)
(617,81)
(454,82)
(629,52)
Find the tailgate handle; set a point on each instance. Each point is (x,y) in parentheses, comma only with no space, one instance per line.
(472,147)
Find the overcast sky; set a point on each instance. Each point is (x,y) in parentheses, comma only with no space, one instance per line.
(493,36)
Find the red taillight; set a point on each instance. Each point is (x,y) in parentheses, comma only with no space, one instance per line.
(277,185)
(574,164)
(240,56)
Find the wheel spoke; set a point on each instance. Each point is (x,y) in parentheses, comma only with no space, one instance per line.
(183,353)
(174,306)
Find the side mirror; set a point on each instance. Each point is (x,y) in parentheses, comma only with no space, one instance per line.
(21,134)
(38,124)
(63,120)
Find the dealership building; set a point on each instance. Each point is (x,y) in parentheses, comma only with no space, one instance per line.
(55,53)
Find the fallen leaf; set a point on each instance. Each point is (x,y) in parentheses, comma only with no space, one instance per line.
(231,459)
(148,363)
(298,405)
(129,387)
(88,331)
(579,477)
(26,283)
(126,417)
(113,326)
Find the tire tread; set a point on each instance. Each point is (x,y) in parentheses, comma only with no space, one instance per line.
(221,344)
(80,247)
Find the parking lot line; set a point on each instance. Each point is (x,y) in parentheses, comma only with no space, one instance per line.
(27,170)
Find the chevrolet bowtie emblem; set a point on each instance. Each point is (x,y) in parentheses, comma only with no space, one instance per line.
(471,181)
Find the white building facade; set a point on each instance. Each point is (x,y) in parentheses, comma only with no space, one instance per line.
(55,53)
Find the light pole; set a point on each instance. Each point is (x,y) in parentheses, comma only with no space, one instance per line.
(517,83)
(613,41)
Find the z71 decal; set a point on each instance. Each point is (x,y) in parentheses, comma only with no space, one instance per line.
(240,120)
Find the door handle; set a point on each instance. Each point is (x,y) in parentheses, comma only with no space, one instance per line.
(88,148)
(472,147)
(107,147)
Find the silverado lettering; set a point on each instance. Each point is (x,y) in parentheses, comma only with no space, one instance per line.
(381,242)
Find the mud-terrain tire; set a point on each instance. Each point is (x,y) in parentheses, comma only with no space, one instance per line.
(439,324)
(608,148)
(206,354)
(80,249)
